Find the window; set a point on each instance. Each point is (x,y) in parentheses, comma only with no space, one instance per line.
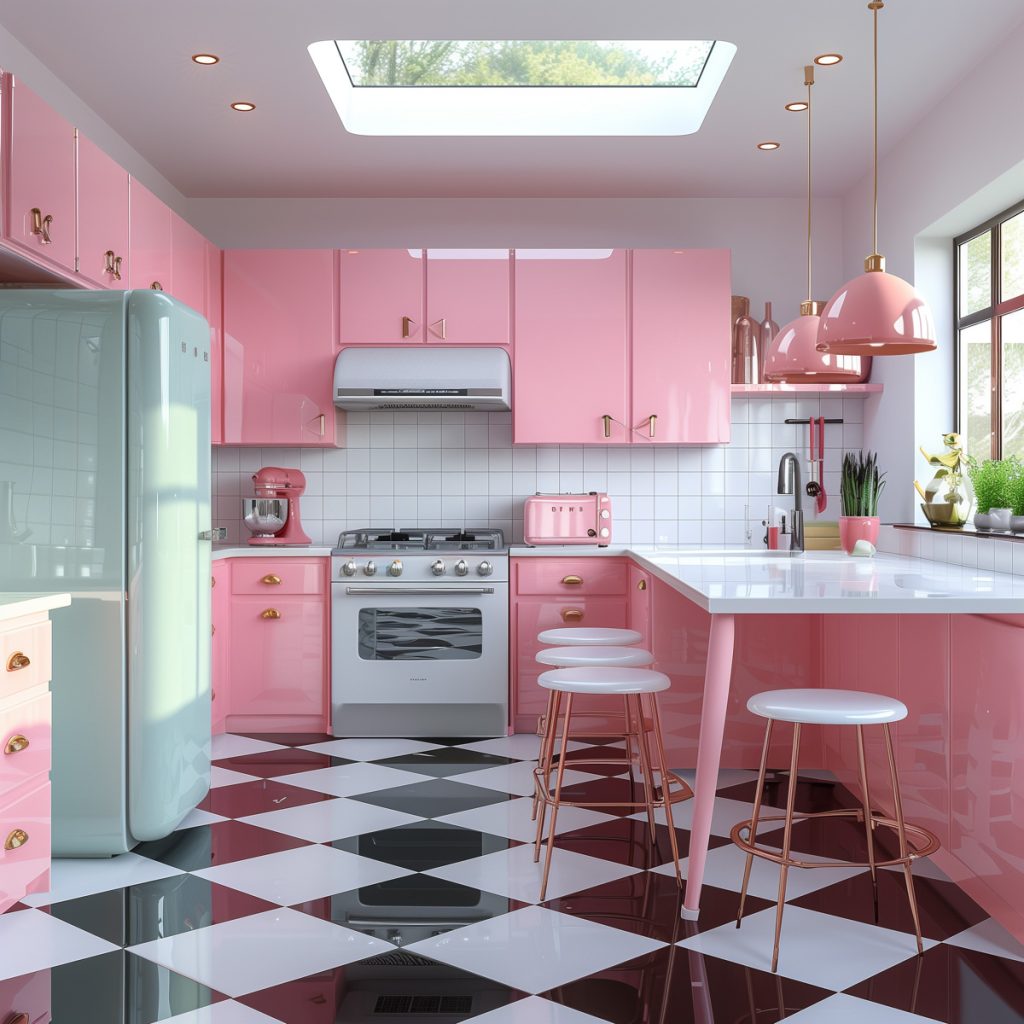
(989,289)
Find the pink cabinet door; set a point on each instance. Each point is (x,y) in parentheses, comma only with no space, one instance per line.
(102,217)
(468,296)
(380,296)
(571,348)
(220,680)
(214,314)
(188,265)
(680,346)
(641,591)
(149,239)
(279,344)
(40,165)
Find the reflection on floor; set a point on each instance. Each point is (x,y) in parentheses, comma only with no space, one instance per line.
(326,881)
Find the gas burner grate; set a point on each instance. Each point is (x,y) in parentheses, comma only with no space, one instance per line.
(424,1005)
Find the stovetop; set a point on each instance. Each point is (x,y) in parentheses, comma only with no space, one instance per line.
(414,539)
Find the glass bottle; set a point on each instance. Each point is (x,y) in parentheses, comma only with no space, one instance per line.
(746,343)
(769,328)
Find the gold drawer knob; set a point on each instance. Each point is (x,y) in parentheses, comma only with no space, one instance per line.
(270,613)
(16,744)
(642,585)
(572,581)
(572,615)
(17,661)
(271,580)
(17,838)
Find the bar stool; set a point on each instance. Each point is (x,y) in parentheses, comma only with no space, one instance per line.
(831,707)
(633,684)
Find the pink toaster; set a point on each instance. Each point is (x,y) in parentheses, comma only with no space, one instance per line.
(568,519)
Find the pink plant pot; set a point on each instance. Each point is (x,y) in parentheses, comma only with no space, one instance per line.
(855,528)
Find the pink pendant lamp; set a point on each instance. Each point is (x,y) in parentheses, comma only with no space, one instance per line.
(876,313)
(793,356)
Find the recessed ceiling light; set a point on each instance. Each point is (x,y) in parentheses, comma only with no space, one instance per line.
(798,105)
(205,58)
(768,145)
(827,59)
(243,106)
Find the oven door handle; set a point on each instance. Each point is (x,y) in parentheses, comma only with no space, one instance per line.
(418,591)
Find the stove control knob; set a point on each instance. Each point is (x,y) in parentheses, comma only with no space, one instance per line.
(395,568)
(461,569)
(437,568)
(370,569)
(349,568)
(485,568)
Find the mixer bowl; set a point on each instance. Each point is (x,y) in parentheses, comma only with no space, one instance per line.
(264,516)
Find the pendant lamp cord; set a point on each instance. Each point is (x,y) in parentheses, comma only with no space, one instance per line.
(809,81)
(875,6)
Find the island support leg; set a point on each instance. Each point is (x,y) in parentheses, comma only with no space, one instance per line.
(717,677)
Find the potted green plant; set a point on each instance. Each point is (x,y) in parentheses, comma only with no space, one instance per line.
(999,491)
(860,488)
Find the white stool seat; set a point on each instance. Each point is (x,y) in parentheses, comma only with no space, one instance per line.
(814,706)
(604,680)
(590,636)
(617,657)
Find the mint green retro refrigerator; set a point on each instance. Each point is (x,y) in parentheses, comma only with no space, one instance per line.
(105,465)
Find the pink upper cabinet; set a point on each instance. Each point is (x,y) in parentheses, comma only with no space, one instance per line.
(40,164)
(468,296)
(279,346)
(102,217)
(214,314)
(188,265)
(381,296)
(571,349)
(681,346)
(149,239)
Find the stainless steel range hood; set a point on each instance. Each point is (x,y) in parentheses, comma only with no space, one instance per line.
(424,377)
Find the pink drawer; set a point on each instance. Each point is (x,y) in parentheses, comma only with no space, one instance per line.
(278,576)
(571,576)
(24,741)
(24,658)
(25,829)
(25,1000)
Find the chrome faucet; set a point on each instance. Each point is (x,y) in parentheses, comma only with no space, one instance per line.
(789,483)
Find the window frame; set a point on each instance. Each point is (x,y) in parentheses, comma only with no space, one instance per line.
(997,309)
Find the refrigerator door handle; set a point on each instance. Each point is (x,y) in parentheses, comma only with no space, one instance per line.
(218,533)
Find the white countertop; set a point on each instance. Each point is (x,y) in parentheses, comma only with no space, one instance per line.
(13,606)
(267,551)
(741,581)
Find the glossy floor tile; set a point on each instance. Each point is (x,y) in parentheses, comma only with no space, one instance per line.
(347,881)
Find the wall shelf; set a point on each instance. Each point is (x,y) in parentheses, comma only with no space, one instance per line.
(788,390)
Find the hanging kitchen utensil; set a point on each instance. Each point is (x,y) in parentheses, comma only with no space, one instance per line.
(813,487)
(822,496)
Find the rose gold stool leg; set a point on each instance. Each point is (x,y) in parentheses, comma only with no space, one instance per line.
(787,836)
(548,753)
(868,823)
(754,818)
(628,730)
(645,765)
(558,796)
(901,829)
(540,756)
(659,742)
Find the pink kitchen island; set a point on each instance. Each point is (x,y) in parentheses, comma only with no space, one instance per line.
(947,640)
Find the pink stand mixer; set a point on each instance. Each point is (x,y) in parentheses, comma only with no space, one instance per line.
(273,515)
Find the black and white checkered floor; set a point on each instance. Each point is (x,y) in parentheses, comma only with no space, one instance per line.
(354,880)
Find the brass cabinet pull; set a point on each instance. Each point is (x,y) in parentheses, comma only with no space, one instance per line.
(443,332)
(213,581)
(45,235)
(157,286)
(16,744)
(108,262)
(607,425)
(213,629)
(572,581)
(41,225)
(572,615)
(271,580)
(407,325)
(322,424)
(118,260)
(270,613)
(642,585)
(18,837)
(652,422)
(17,661)
(18,1018)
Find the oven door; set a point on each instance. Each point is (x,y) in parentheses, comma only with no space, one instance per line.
(403,655)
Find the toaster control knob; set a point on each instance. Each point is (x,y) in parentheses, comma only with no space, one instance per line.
(395,568)
(461,569)
(605,514)
(437,568)
(349,568)
(485,568)
(370,569)
(591,532)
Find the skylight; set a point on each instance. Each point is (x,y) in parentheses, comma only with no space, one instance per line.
(522,87)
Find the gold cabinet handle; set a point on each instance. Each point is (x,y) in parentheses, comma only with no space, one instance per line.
(407,325)
(642,585)
(271,580)
(270,613)
(41,225)
(17,661)
(652,423)
(213,629)
(108,262)
(322,424)
(607,420)
(45,235)
(18,1018)
(18,837)
(443,332)
(572,615)
(118,260)
(157,286)
(572,581)
(16,744)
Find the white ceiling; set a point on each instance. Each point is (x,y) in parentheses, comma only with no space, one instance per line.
(129,61)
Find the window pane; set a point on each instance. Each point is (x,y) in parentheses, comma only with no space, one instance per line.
(1013,385)
(1013,258)
(976,389)
(976,274)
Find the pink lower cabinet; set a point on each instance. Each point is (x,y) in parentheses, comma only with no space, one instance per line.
(278,645)
(220,679)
